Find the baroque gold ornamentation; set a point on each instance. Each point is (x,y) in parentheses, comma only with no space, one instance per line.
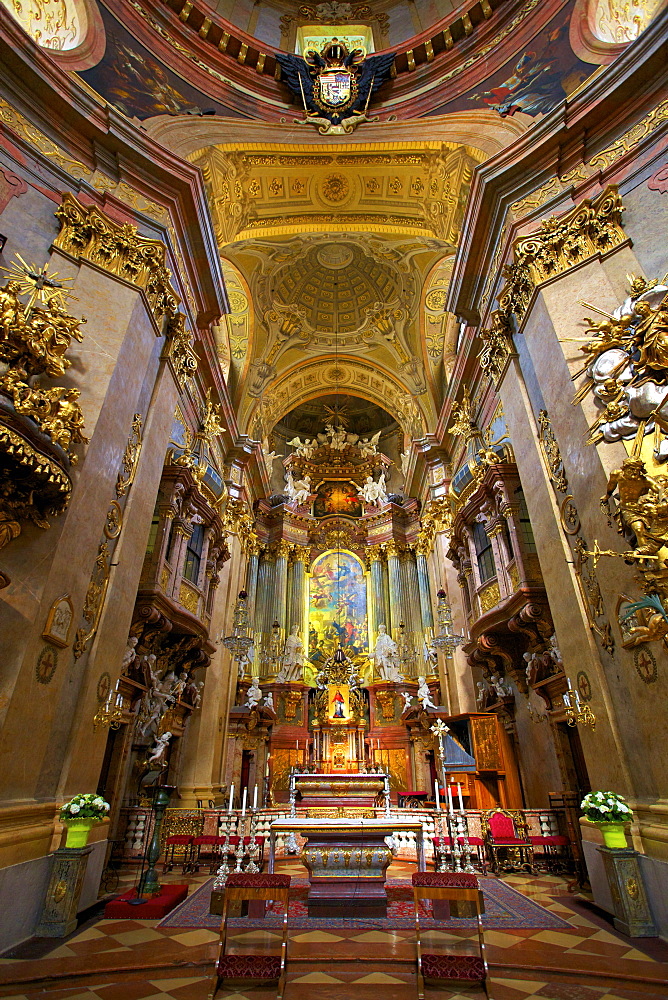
(585,572)
(551,452)
(180,350)
(489,597)
(386,704)
(86,233)
(498,348)
(592,227)
(94,600)
(635,338)
(189,597)
(130,459)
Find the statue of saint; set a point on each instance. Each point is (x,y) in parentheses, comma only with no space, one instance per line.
(293,657)
(385,656)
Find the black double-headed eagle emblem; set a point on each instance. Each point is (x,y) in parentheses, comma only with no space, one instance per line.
(335,85)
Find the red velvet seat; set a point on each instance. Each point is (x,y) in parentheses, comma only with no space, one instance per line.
(554,850)
(458,887)
(206,849)
(507,840)
(240,886)
(178,850)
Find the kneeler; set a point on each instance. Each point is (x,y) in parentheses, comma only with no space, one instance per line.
(456,887)
(253,887)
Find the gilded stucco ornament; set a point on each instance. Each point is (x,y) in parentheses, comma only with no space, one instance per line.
(592,228)
(39,426)
(627,374)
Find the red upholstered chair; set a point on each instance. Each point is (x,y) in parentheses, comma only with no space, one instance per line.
(178,851)
(244,886)
(555,850)
(206,850)
(458,888)
(507,840)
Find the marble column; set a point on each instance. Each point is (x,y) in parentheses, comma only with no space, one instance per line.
(412,603)
(426,612)
(281,585)
(395,587)
(252,570)
(378,605)
(264,614)
(296,584)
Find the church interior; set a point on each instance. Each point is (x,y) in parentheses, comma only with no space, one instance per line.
(333,510)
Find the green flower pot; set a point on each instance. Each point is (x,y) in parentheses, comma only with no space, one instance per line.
(613,834)
(78,831)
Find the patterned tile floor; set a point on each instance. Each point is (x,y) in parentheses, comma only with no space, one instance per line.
(137,960)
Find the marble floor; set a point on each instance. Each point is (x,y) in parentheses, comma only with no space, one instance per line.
(137,960)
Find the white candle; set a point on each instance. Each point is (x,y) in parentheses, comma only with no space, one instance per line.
(255,798)
(450,809)
(243,801)
(229,808)
(461,801)
(436,795)
(297,744)
(570,686)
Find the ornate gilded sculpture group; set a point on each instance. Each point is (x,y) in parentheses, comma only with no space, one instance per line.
(627,373)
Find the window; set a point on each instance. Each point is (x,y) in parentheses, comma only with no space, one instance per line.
(152,535)
(194,553)
(508,540)
(525,529)
(483,551)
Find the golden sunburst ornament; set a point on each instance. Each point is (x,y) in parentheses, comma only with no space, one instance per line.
(337,414)
(41,287)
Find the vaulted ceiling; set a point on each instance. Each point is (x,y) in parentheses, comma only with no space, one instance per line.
(337,258)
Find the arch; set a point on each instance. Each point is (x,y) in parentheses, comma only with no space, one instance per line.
(601,29)
(308,380)
(240,323)
(70,30)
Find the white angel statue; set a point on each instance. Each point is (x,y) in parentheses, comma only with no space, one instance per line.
(298,490)
(369,447)
(424,694)
(254,694)
(160,748)
(373,493)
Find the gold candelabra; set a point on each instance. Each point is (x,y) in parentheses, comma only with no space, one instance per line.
(110,714)
(576,714)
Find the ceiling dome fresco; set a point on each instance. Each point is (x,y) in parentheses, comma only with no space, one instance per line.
(337,280)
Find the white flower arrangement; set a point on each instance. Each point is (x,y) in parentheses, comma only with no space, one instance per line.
(85,805)
(606,807)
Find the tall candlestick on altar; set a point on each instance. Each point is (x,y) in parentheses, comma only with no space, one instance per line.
(450,808)
(229,808)
(436,795)
(255,797)
(243,801)
(459,793)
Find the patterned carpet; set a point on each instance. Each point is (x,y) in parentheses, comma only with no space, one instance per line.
(505,908)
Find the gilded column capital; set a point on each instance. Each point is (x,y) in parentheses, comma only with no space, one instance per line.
(374,553)
(302,554)
(393,549)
